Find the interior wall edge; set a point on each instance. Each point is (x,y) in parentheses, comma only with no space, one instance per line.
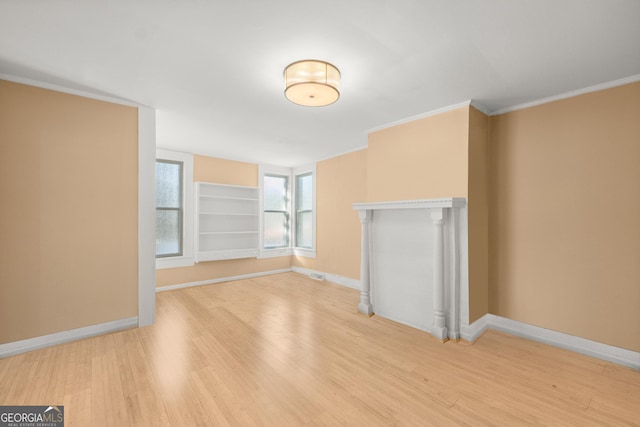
(146,209)
(478,205)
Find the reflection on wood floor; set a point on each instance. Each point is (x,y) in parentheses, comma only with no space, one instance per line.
(285,350)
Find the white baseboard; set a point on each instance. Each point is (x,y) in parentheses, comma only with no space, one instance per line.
(580,345)
(220,280)
(334,278)
(17,347)
(473,331)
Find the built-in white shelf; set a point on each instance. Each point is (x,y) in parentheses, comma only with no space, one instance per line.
(227,224)
(228,232)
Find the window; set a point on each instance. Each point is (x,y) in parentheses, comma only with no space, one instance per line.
(169,208)
(287,223)
(304,211)
(276,211)
(174,209)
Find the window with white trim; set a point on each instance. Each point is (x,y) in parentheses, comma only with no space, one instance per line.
(287,221)
(174,209)
(305,210)
(276,211)
(169,208)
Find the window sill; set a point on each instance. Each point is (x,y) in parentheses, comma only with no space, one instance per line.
(274,253)
(174,262)
(305,253)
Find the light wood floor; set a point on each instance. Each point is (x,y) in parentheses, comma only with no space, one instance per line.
(285,350)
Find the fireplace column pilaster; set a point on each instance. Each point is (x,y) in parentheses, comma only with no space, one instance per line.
(365,306)
(439,328)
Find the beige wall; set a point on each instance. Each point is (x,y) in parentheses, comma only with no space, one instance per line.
(68,222)
(554,236)
(341,181)
(426,158)
(444,155)
(478,211)
(565,210)
(203,271)
(221,171)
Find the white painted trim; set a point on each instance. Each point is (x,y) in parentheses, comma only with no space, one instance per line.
(334,278)
(22,346)
(70,91)
(451,202)
(473,331)
(573,343)
(292,173)
(486,111)
(420,116)
(305,253)
(343,153)
(588,89)
(205,256)
(480,107)
(146,216)
(463,262)
(453,272)
(189,217)
(295,172)
(274,253)
(175,262)
(444,282)
(220,280)
(276,170)
(568,342)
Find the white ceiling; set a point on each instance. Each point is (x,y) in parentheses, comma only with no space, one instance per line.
(213,69)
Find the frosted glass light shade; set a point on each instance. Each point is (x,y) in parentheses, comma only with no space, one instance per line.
(312,83)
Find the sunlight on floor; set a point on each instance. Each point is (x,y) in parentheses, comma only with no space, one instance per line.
(170,354)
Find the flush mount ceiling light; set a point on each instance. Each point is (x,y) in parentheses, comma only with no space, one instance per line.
(312,83)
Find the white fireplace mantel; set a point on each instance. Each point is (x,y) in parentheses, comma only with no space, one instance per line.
(441,212)
(450,202)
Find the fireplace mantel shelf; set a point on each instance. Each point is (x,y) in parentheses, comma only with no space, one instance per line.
(450,202)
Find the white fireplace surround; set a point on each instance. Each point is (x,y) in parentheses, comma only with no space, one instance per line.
(446,262)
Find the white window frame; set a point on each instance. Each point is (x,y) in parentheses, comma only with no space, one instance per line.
(273,170)
(291,173)
(303,170)
(187,258)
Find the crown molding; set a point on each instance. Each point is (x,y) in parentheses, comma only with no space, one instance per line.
(70,91)
(489,112)
(343,153)
(566,95)
(420,116)
(480,107)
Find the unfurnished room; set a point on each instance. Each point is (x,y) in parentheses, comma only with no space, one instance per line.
(292,213)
